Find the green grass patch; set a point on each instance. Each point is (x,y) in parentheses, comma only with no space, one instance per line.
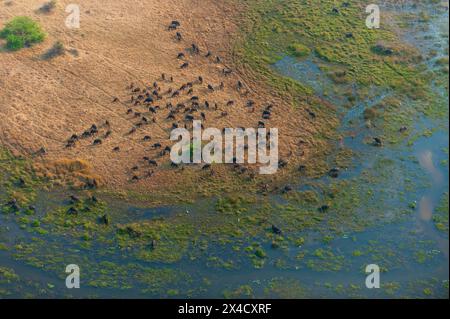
(299,50)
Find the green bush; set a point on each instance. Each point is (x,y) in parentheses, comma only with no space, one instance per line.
(21,32)
(14,42)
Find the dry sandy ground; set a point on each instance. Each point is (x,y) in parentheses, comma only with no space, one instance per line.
(43,102)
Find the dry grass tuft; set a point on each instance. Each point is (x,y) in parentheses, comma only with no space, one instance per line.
(76,173)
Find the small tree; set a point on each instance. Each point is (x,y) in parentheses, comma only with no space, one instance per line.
(21,32)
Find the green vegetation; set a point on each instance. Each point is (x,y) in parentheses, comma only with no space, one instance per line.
(244,291)
(285,27)
(299,50)
(440,216)
(7,275)
(21,32)
(285,289)
(17,181)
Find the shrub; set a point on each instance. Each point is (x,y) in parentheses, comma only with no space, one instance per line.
(370,114)
(14,42)
(382,48)
(56,50)
(48,7)
(338,77)
(299,50)
(21,32)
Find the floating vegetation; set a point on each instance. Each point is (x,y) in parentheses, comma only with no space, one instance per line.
(440,216)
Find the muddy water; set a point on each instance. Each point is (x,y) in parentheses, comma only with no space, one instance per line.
(394,245)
